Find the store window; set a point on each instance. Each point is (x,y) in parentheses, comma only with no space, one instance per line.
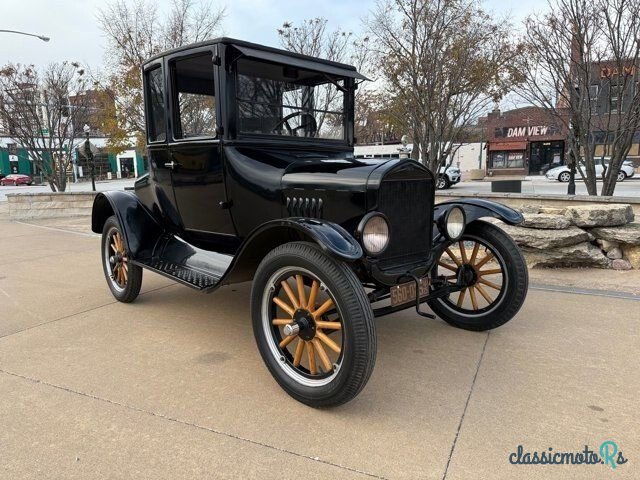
(499,160)
(507,159)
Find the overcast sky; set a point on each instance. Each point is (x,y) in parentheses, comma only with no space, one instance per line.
(75,34)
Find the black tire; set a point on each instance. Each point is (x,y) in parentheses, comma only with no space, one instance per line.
(564,177)
(128,289)
(350,372)
(442,183)
(514,282)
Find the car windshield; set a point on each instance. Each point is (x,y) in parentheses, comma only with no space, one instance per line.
(281,100)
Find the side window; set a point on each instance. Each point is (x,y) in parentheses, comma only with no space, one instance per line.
(156,130)
(194,97)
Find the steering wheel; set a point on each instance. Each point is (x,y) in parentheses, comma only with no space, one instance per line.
(309,124)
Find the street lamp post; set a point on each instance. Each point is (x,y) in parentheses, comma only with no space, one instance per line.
(41,37)
(89,155)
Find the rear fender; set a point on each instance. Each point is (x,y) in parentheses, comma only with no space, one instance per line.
(139,228)
(330,237)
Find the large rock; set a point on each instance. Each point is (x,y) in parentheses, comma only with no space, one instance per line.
(583,255)
(632,255)
(543,239)
(545,222)
(600,215)
(629,234)
(553,210)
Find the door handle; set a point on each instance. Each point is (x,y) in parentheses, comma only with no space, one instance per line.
(172,165)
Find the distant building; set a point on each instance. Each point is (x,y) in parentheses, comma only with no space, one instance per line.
(524,141)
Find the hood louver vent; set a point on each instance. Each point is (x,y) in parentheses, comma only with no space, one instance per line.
(304,207)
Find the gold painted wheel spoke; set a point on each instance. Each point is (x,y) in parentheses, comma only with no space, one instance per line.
(484,293)
(487,257)
(463,251)
(447,266)
(114,247)
(297,357)
(328,342)
(474,253)
(474,302)
(287,308)
(315,286)
(311,356)
(323,308)
(453,257)
(329,325)
(322,354)
(461,297)
(493,271)
(301,293)
(281,321)
(289,292)
(489,284)
(287,341)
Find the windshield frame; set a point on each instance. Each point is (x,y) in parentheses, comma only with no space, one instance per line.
(348,87)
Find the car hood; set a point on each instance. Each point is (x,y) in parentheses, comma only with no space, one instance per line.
(556,170)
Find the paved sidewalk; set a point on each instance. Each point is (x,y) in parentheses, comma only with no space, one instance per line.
(172,386)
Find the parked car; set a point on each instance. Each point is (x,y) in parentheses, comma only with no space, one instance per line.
(16,179)
(562,173)
(252,185)
(448,176)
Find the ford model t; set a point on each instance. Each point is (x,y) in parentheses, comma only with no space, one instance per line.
(252,177)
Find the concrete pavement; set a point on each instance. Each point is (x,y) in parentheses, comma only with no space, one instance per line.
(172,386)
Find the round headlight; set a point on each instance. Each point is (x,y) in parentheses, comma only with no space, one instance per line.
(454,223)
(375,234)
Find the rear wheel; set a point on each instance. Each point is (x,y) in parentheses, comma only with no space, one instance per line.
(313,325)
(494,271)
(124,278)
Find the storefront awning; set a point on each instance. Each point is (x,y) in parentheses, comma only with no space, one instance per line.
(502,146)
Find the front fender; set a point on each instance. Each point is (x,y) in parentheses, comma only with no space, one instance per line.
(139,229)
(329,236)
(475,208)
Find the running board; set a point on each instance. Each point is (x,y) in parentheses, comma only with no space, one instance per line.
(176,259)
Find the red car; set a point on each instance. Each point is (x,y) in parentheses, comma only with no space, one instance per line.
(16,179)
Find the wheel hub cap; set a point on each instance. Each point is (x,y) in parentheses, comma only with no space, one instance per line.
(306,324)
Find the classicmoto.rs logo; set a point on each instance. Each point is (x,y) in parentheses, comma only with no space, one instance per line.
(607,454)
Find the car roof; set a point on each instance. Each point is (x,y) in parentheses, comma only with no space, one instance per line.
(267,53)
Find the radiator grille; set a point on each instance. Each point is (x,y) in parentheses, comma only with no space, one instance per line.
(408,205)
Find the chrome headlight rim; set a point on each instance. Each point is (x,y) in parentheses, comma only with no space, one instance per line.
(443,223)
(360,231)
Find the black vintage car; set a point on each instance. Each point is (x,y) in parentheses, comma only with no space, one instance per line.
(252,177)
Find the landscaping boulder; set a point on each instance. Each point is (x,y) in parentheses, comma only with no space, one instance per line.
(552,210)
(528,208)
(629,234)
(620,264)
(582,255)
(632,255)
(600,215)
(544,239)
(614,253)
(606,245)
(545,221)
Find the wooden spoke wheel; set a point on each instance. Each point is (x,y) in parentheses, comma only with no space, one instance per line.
(493,274)
(306,325)
(124,278)
(313,324)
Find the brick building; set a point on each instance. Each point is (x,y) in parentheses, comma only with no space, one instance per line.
(524,141)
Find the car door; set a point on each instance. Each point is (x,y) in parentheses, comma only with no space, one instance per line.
(196,161)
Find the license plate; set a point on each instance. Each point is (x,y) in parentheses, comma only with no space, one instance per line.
(406,292)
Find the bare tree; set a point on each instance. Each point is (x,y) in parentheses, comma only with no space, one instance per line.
(135,31)
(37,114)
(312,37)
(444,63)
(580,62)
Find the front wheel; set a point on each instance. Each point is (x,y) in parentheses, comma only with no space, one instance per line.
(123,277)
(442,182)
(564,177)
(313,325)
(494,273)
(621,176)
